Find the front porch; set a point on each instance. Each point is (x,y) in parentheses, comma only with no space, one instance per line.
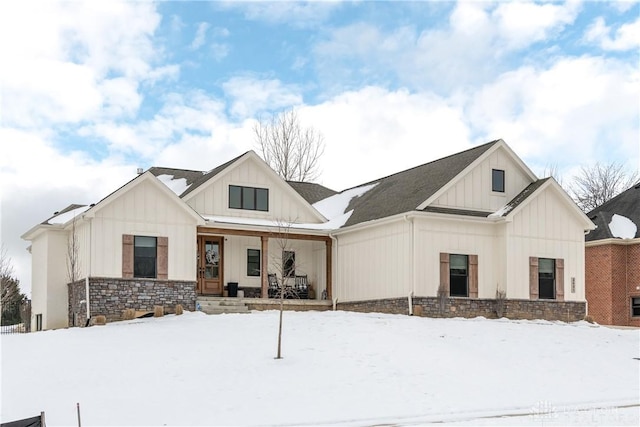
(257,263)
(220,305)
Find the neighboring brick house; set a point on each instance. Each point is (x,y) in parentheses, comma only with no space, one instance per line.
(612,258)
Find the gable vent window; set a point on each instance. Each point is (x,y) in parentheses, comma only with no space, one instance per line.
(248,198)
(497,180)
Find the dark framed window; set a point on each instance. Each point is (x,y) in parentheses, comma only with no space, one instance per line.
(288,263)
(458,275)
(38,322)
(145,255)
(635,306)
(253,262)
(249,198)
(497,180)
(546,278)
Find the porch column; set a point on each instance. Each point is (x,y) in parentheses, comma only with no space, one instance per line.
(328,258)
(264,266)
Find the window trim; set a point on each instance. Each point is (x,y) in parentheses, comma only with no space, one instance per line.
(502,174)
(534,279)
(255,272)
(472,274)
(245,196)
(635,306)
(466,275)
(138,257)
(128,257)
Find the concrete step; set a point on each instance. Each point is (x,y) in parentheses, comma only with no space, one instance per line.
(213,305)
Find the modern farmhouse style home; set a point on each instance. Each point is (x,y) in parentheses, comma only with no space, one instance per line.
(453,237)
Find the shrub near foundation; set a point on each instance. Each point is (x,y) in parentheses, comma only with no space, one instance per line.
(129,314)
(158,311)
(100,320)
(179,309)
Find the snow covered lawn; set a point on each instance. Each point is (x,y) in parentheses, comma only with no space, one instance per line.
(339,368)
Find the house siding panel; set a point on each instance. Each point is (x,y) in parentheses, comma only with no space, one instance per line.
(284,205)
(473,191)
(154,214)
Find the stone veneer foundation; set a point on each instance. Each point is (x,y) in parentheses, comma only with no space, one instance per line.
(110,297)
(567,311)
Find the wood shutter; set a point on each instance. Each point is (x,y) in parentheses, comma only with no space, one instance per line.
(560,279)
(534,285)
(127,256)
(444,272)
(473,276)
(163,258)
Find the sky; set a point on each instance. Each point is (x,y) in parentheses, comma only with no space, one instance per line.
(220,370)
(90,91)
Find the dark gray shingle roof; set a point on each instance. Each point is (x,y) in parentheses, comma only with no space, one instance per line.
(311,192)
(206,177)
(523,195)
(626,204)
(406,190)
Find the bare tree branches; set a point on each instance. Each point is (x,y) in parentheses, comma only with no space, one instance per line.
(73,266)
(598,184)
(291,150)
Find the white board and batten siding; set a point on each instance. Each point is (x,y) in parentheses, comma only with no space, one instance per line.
(309,256)
(453,236)
(545,228)
(143,210)
(374,263)
(473,190)
(49,292)
(284,203)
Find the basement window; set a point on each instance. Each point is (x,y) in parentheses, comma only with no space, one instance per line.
(635,307)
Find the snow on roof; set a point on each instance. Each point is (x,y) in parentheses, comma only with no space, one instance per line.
(68,216)
(333,208)
(177,185)
(502,211)
(622,227)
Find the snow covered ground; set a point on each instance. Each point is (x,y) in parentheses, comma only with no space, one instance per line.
(339,368)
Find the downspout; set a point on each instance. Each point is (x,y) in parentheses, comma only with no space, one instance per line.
(86,280)
(334,269)
(412,277)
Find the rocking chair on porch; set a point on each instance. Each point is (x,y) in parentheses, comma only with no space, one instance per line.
(274,287)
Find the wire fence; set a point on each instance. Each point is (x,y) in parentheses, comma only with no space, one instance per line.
(16,318)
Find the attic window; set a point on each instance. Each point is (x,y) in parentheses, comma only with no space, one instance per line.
(497,180)
(249,198)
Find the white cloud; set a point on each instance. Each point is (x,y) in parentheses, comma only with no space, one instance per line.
(73,61)
(563,113)
(251,95)
(524,23)
(373,132)
(626,37)
(200,37)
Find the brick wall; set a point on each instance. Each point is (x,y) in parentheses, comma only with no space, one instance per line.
(568,311)
(110,297)
(612,277)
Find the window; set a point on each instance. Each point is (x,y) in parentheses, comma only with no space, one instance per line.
(253,262)
(546,278)
(288,263)
(38,322)
(249,198)
(497,180)
(144,257)
(635,306)
(458,275)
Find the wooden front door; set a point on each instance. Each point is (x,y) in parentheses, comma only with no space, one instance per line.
(210,265)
